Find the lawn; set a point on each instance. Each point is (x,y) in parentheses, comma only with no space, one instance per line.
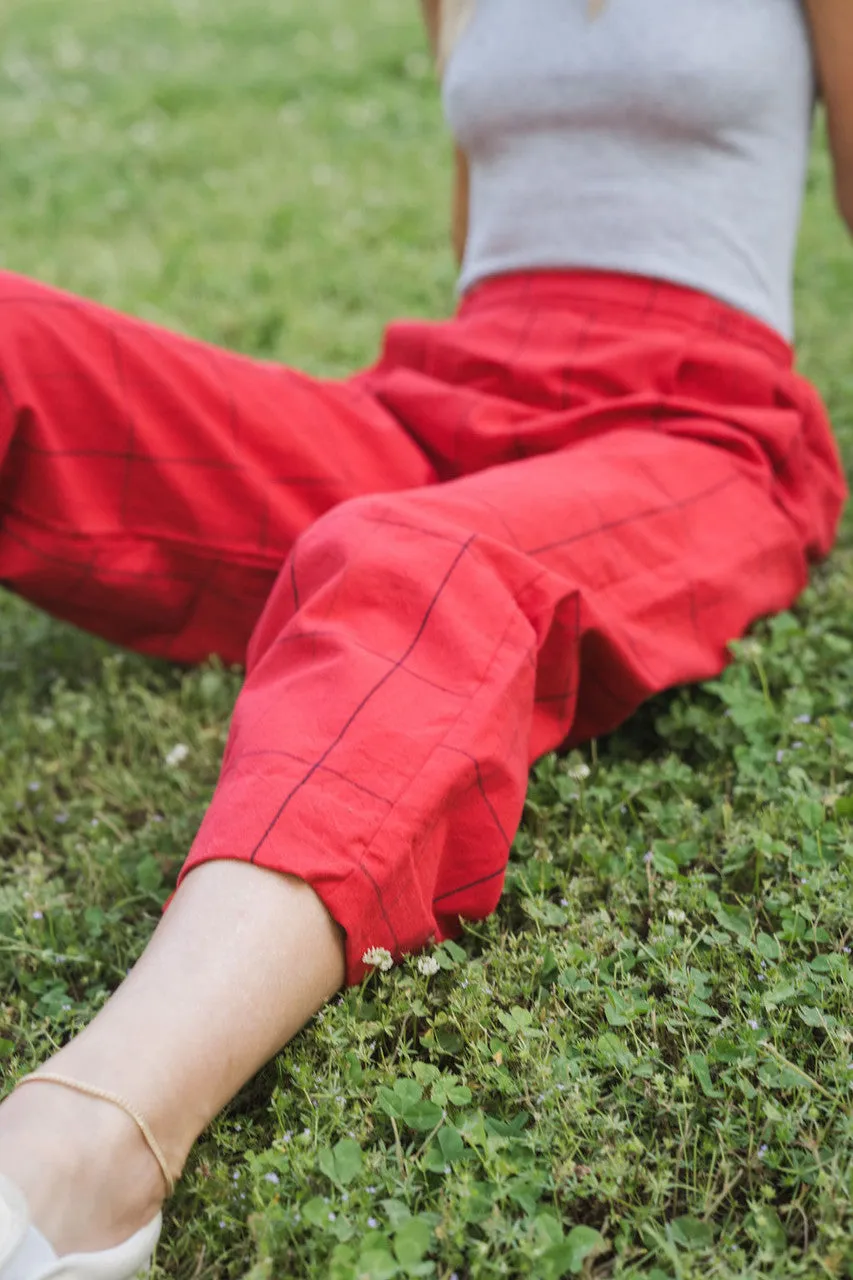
(642,1065)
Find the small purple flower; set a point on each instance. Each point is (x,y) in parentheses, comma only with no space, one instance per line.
(780,756)
(802,719)
(796,746)
(647,857)
(372,1223)
(33,786)
(38,915)
(753,1024)
(61,817)
(762,1151)
(332,1217)
(272,1177)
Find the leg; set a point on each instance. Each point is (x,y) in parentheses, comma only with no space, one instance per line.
(418,652)
(151,486)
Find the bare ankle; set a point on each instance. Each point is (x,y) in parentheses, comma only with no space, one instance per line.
(88,1176)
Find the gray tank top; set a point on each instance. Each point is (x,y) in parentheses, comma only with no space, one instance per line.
(664,138)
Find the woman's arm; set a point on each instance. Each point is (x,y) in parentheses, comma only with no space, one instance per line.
(832,31)
(459,228)
(459,225)
(432,18)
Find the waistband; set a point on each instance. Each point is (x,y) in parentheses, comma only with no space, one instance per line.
(636,300)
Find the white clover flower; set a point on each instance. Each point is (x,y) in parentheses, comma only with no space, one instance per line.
(428,965)
(379,958)
(676,916)
(177,755)
(579,772)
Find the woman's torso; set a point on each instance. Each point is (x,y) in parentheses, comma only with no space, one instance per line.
(665,138)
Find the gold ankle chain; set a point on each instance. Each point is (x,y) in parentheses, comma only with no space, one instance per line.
(48,1077)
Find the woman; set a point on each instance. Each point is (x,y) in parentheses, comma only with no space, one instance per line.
(513,529)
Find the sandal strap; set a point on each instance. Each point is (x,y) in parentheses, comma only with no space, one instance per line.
(92,1091)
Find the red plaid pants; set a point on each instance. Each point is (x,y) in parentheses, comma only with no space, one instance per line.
(514,528)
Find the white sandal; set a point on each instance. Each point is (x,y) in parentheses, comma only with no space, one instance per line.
(26,1255)
(24,1252)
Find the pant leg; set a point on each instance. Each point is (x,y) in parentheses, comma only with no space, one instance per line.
(151,486)
(421,649)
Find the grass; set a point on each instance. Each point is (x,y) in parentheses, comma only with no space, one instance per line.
(641,1064)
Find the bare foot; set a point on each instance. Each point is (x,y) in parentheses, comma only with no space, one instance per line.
(87,1174)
